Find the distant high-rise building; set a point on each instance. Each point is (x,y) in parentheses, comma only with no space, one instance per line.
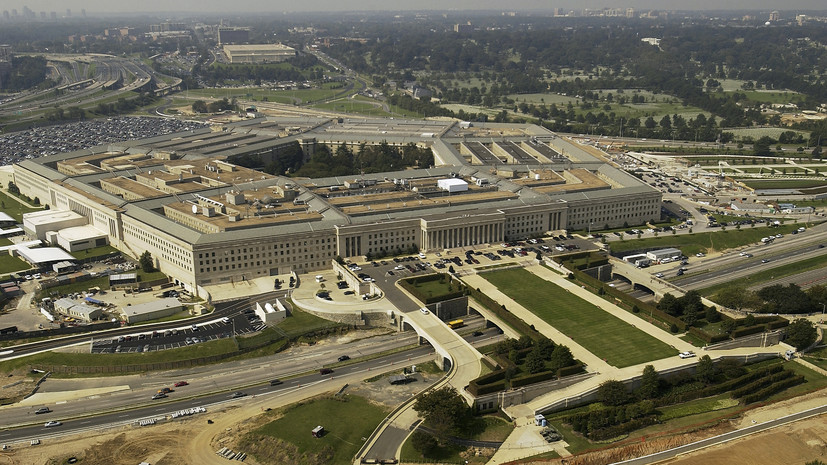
(14,12)
(43,15)
(800,19)
(774,16)
(6,15)
(83,12)
(68,13)
(53,16)
(6,53)
(631,13)
(467,27)
(233,35)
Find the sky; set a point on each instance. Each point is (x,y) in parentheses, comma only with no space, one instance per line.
(96,7)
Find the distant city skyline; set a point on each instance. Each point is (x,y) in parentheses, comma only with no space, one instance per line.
(98,7)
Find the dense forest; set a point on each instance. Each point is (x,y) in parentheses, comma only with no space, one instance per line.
(608,54)
(26,72)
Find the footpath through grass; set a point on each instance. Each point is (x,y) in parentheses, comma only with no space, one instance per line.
(601,333)
(346,420)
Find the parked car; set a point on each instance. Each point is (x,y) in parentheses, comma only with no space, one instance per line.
(687,354)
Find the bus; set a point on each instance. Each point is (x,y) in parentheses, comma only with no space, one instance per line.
(454,324)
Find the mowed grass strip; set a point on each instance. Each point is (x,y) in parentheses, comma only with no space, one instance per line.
(346,420)
(602,334)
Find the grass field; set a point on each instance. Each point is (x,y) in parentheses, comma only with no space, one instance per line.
(690,244)
(602,334)
(301,322)
(347,420)
(9,264)
(782,183)
(95,252)
(205,349)
(12,207)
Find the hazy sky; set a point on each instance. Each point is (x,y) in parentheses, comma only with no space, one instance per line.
(226,6)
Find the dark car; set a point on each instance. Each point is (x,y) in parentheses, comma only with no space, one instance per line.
(238,394)
(159,395)
(325,371)
(275,382)
(42,410)
(344,358)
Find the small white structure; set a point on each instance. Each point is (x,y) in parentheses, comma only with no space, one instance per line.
(269,314)
(452,185)
(77,310)
(658,255)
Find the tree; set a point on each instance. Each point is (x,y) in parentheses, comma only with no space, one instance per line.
(612,393)
(444,411)
(424,443)
(705,371)
(560,357)
(801,333)
(649,383)
(146,262)
(534,361)
(762,146)
(199,106)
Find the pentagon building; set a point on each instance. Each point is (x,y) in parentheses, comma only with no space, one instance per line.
(206,220)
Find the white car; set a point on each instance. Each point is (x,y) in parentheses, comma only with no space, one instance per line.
(700,254)
(658,275)
(424,310)
(686,354)
(49,424)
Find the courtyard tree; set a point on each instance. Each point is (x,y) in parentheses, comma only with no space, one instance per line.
(146,262)
(613,393)
(649,383)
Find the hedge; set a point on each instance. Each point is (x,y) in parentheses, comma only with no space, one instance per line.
(531,379)
(571,370)
(782,323)
(512,320)
(492,377)
(623,428)
(774,388)
(706,337)
(477,390)
(760,383)
(720,388)
(411,287)
(740,332)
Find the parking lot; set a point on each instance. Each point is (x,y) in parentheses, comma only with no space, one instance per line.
(37,142)
(150,340)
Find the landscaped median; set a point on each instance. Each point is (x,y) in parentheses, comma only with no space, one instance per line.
(604,335)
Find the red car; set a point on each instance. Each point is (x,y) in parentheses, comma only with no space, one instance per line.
(181,383)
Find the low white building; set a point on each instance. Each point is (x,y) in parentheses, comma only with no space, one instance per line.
(37,224)
(452,185)
(79,238)
(151,310)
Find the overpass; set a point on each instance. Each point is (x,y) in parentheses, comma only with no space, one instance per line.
(77,85)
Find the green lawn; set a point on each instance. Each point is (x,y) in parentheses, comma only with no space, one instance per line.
(9,264)
(347,420)
(602,334)
(690,244)
(12,207)
(94,252)
(206,349)
(302,322)
(782,183)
